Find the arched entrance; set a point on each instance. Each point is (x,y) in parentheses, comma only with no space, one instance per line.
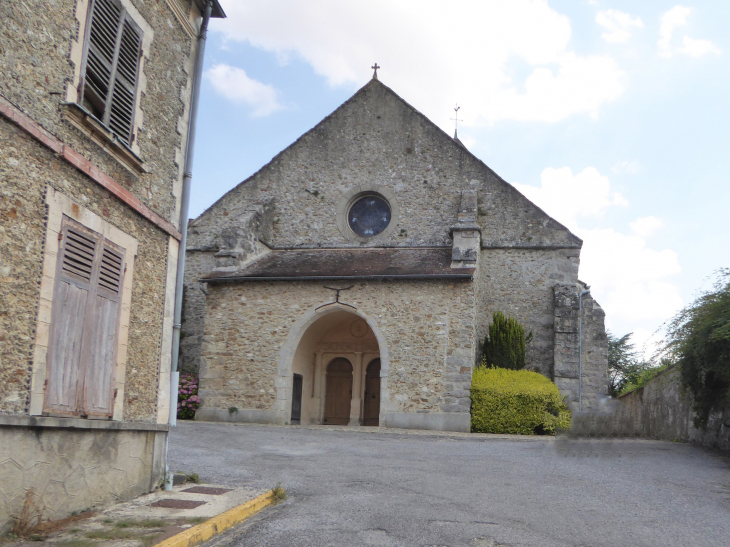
(338,395)
(328,371)
(371,409)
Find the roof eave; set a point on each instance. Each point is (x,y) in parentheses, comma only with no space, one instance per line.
(401,277)
(217,11)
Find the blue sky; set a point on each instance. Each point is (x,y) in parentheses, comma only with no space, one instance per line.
(610,115)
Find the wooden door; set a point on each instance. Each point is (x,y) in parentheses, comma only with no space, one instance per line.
(372,394)
(338,394)
(296,400)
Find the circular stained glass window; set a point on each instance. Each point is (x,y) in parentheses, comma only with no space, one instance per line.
(369,215)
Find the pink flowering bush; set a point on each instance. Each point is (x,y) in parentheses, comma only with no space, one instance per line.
(187,397)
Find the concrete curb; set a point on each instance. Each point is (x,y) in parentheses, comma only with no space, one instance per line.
(206,530)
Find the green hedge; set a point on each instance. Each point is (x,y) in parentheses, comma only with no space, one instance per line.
(516,401)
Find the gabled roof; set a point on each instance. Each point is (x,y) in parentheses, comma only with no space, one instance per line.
(538,219)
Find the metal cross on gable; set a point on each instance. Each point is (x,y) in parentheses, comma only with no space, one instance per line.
(375,68)
(456,119)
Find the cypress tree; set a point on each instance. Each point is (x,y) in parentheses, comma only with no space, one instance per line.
(504,345)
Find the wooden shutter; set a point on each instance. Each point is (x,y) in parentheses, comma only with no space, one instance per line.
(121,112)
(114,46)
(84,324)
(104,310)
(69,316)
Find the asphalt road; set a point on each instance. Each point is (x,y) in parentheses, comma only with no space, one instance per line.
(349,487)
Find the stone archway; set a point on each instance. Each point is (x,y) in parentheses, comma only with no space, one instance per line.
(324,337)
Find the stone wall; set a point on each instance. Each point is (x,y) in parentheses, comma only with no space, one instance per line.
(376,139)
(37,68)
(659,410)
(519,283)
(593,379)
(236,245)
(58,470)
(197,264)
(26,168)
(70,464)
(376,142)
(427,328)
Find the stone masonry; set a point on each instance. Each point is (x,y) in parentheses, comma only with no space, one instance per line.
(49,146)
(441,197)
(594,375)
(429,323)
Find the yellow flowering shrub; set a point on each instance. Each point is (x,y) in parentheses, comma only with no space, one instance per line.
(516,401)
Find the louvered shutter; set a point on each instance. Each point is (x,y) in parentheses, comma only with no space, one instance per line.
(112,66)
(121,112)
(84,324)
(104,310)
(69,320)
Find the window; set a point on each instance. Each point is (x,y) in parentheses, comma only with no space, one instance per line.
(113,49)
(369,215)
(84,328)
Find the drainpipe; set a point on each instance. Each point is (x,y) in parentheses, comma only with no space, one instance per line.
(580,347)
(184,206)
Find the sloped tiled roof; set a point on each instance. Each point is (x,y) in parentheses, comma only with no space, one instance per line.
(378,263)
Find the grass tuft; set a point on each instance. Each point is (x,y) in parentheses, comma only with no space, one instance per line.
(279,493)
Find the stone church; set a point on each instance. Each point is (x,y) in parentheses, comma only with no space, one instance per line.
(352,280)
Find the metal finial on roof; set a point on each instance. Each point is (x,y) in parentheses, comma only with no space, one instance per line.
(456,119)
(375,68)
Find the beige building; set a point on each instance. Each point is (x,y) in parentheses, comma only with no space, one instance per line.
(352,280)
(95,100)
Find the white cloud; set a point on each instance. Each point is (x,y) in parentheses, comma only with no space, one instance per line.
(671,21)
(697,48)
(617,24)
(646,226)
(631,281)
(566,197)
(234,84)
(626,167)
(437,53)
(647,342)
(675,17)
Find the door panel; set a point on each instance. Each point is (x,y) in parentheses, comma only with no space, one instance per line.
(371,414)
(296,402)
(98,386)
(64,355)
(338,395)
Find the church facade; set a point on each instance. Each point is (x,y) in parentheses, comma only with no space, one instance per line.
(352,279)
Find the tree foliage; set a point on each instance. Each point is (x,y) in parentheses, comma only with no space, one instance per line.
(624,366)
(699,340)
(504,345)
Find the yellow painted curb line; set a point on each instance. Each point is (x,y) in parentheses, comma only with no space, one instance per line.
(206,530)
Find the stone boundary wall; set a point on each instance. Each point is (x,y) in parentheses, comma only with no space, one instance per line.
(659,410)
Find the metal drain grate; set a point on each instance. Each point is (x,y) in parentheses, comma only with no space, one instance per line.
(177,504)
(210,490)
